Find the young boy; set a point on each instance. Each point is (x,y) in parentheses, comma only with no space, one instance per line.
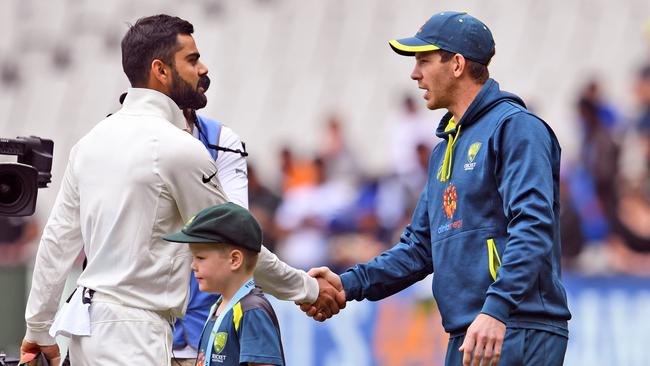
(242,327)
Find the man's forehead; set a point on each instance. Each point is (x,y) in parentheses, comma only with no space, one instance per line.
(186,44)
(426,54)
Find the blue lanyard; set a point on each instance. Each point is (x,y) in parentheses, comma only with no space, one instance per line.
(243,291)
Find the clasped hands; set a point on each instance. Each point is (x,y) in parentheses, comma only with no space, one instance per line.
(331,296)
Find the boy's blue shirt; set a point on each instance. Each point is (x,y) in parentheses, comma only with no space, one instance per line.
(490,232)
(254,339)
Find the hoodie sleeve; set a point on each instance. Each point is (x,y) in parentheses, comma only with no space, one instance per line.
(407,262)
(527,165)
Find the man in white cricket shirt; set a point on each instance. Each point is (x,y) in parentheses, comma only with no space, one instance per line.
(133,178)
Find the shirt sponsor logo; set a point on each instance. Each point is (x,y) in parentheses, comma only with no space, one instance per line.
(206,180)
(450,226)
(449,207)
(471,155)
(449,201)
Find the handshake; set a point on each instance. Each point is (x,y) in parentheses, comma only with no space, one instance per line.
(331,295)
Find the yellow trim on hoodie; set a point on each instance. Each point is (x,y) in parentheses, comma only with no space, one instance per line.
(493,258)
(446,163)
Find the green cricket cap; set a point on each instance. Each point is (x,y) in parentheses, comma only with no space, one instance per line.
(227,223)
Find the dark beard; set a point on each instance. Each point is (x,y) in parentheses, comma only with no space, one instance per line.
(184,95)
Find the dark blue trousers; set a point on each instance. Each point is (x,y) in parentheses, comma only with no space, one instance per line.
(521,347)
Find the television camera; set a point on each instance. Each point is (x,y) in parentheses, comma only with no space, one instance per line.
(19,182)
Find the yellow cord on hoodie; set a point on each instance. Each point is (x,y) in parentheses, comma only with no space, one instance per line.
(446,163)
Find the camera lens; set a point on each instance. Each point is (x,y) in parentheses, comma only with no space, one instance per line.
(11,188)
(18,189)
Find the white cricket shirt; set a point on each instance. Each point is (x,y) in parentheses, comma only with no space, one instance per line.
(133,178)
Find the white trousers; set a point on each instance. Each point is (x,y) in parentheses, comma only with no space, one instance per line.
(122,335)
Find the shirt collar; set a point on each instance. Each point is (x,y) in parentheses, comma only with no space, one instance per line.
(145,101)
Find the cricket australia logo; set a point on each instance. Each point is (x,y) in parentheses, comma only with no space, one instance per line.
(449,201)
(471,155)
(189,222)
(220,341)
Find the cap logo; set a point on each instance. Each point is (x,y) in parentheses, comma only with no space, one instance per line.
(189,222)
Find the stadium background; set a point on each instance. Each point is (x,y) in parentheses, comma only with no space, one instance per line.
(280,69)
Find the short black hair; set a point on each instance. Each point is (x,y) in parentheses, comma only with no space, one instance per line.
(477,71)
(150,38)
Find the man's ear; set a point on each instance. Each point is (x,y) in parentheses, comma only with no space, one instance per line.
(236,259)
(458,64)
(161,72)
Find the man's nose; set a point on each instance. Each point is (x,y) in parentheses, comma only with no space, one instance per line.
(416,74)
(203,70)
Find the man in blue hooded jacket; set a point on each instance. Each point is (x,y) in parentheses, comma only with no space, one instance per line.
(487,221)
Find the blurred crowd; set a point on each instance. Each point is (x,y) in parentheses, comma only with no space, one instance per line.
(325,210)
(606,191)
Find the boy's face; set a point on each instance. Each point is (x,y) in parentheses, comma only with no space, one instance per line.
(211,267)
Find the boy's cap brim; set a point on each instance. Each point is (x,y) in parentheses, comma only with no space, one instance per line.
(181,237)
(410,46)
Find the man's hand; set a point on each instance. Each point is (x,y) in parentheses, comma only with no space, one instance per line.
(484,339)
(331,296)
(50,352)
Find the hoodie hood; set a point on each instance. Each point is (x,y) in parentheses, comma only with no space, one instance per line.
(489,96)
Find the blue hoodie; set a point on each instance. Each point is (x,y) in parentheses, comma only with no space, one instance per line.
(486,223)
